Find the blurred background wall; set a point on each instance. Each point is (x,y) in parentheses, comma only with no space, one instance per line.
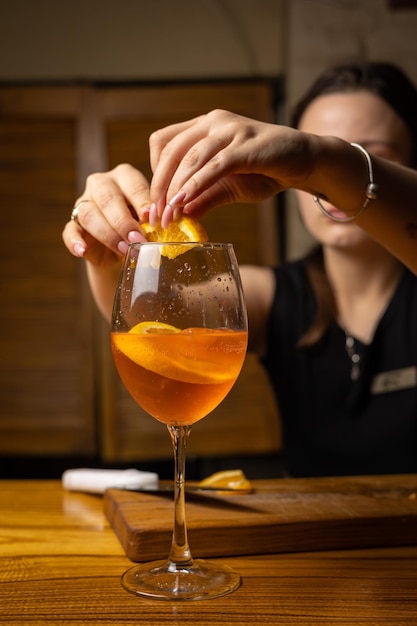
(171,40)
(141,39)
(82,84)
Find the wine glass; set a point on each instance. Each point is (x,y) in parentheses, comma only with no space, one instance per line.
(179,339)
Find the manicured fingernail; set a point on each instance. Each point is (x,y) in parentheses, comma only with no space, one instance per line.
(178,210)
(167,216)
(153,214)
(135,237)
(122,247)
(177,199)
(144,215)
(79,249)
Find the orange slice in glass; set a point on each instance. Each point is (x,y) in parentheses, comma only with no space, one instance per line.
(182,355)
(154,328)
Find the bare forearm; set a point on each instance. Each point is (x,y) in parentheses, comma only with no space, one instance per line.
(103,283)
(221,158)
(341,176)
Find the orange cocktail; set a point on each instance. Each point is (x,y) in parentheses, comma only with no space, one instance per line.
(179,339)
(178,376)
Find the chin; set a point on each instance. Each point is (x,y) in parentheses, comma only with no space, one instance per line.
(330,233)
(341,235)
(346,242)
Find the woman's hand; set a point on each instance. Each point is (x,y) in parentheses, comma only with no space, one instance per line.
(221,158)
(109,214)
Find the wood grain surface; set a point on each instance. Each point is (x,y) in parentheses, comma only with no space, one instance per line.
(288,515)
(60,564)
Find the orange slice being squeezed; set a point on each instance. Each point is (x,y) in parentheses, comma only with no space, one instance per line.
(184,230)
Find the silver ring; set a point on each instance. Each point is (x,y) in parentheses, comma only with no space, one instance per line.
(74,213)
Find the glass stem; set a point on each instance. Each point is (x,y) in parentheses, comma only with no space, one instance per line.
(180,555)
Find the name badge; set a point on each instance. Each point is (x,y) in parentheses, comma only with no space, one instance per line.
(385,382)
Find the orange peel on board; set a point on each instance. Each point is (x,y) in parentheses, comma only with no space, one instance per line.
(227,479)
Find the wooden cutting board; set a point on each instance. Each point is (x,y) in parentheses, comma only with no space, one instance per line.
(286,515)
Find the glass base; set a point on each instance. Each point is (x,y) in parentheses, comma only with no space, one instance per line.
(164,581)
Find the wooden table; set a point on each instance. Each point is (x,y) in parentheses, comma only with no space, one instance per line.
(60,563)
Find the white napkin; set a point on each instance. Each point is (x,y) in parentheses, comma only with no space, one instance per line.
(98,480)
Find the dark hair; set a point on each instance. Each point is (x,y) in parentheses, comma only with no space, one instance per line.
(392,85)
(385,80)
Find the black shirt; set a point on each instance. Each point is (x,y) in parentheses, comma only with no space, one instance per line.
(333,425)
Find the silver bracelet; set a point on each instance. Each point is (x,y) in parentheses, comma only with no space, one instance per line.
(371,191)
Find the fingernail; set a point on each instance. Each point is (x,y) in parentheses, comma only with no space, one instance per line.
(144,215)
(177,212)
(167,216)
(153,214)
(135,237)
(122,247)
(177,199)
(79,249)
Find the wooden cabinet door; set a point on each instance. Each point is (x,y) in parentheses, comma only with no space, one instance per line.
(247,421)
(46,377)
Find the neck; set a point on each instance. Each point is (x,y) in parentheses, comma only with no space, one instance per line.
(363,282)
